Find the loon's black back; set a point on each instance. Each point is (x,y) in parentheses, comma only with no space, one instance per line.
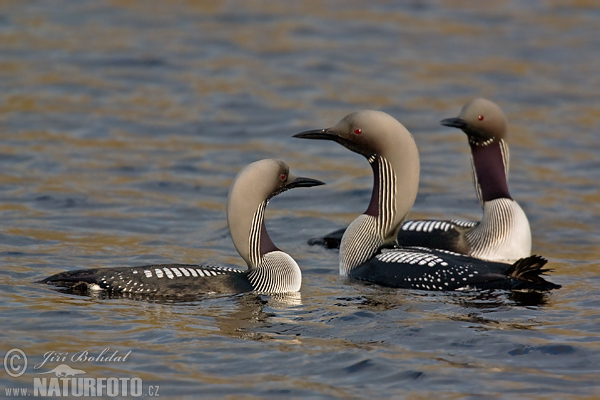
(165,280)
(436,234)
(430,269)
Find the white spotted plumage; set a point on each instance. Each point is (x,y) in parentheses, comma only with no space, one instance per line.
(149,280)
(413,257)
(426,269)
(430,226)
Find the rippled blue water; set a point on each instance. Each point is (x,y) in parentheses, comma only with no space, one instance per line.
(122,124)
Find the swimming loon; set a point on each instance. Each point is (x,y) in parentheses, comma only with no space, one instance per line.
(369,248)
(503,234)
(270,270)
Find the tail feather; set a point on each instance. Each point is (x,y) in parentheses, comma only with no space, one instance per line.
(530,269)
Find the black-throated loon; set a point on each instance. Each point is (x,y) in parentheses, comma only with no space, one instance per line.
(270,270)
(503,234)
(369,249)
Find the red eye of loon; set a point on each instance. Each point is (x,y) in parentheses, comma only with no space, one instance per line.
(480,118)
(358,131)
(282,177)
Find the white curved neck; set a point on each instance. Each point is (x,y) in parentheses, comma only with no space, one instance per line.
(249,233)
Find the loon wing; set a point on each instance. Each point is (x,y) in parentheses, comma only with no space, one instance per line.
(429,269)
(436,234)
(165,280)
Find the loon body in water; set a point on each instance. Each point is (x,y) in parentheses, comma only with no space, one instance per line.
(270,270)
(503,234)
(369,248)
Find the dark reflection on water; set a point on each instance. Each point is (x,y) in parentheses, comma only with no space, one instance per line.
(122,124)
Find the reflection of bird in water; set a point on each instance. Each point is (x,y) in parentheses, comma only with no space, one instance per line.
(251,321)
(475,306)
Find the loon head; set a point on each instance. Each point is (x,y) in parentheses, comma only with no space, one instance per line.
(485,125)
(391,150)
(249,194)
(481,120)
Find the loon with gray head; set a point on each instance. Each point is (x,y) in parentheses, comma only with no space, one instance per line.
(270,270)
(503,234)
(369,248)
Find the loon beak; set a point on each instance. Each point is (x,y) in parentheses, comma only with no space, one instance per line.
(322,134)
(478,135)
(329,134)
(295,182)
(454,123)
(302,182)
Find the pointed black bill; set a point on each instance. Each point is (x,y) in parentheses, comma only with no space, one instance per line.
(477,135)
(303,182)
(454,123)
(322,134)
(328,134)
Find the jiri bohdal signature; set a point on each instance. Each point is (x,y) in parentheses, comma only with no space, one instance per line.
(105,356)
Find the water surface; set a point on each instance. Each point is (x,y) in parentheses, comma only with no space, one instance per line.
(122,125)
